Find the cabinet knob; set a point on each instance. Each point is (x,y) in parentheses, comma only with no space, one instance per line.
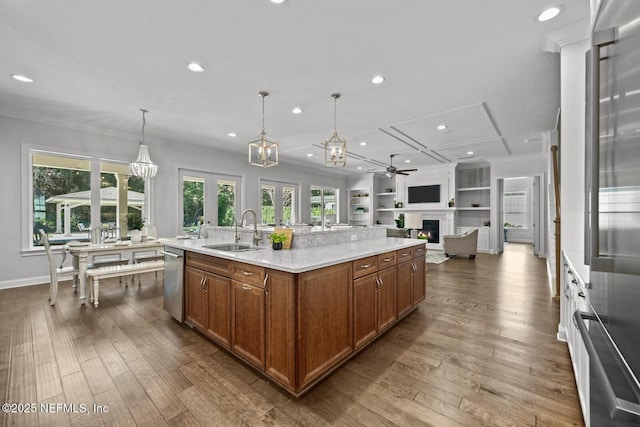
(387,259)
(363,266)
(246,287)
(247,273)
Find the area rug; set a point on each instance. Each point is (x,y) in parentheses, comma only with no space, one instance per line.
(435,256)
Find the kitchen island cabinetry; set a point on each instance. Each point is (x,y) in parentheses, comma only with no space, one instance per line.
(297,327)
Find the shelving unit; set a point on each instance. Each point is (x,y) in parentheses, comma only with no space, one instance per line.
(384,202)
(359,207)
(473,188)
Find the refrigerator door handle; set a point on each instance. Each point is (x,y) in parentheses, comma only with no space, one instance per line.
(618,408)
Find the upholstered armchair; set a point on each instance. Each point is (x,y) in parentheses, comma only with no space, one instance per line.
(462,244)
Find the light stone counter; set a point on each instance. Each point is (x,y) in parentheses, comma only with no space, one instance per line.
(303,259)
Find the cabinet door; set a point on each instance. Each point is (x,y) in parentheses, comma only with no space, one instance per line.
(218,294)
(419,291)
(365,290)
(387,313)
(280,332)
(404,285)
(325,320)
(248,322)
(195,303)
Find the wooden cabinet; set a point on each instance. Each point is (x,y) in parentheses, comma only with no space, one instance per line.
(374,305)
(324,320)
(248,322)
(207,298)
(404,300)
(296,328)
(418,283)
(195,301)
(280,327)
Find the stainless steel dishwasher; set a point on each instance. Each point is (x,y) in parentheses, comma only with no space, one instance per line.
(173,282)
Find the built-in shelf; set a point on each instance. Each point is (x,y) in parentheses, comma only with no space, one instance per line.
(474,188)
(475,209)
(393,193)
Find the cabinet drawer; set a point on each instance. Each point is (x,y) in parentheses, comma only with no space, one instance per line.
(419,251)
(387,259)
(364,266)
(405,255)
(248,273)
(209,263)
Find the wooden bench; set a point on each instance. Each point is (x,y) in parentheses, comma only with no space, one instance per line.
(106,272)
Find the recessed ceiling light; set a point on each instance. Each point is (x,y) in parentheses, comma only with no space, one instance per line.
(469,153)
(21,78)
(363,143)
(549,13)
(195,67)
(297,110)
(376,80)
(407,161)
(442,127)
(232,134)
(309,155)
(359,167)
(277,1)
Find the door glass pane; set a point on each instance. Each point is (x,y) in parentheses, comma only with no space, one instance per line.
(61,198)
(121,199)
(316,205)
(226,202)
(329,202)
(268,204)
(288,203)
(192,203)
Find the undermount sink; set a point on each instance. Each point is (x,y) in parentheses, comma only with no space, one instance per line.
(232,247)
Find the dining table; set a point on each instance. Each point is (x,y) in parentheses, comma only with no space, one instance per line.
(83,251)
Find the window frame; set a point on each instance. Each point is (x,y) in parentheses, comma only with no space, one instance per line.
(278,207)
(517,192)
(27,193)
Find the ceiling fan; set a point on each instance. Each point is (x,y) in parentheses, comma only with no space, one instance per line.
(392,171)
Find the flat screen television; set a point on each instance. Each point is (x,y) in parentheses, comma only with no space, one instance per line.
(424,194)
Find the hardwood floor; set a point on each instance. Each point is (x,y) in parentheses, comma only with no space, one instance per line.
(480,350)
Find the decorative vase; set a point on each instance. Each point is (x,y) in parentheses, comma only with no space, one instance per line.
(136,236)
(276,246)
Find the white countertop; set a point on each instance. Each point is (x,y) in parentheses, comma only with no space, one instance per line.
(300,260)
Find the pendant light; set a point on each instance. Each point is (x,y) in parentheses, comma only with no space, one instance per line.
(335,148)
(263,151)
(143,166)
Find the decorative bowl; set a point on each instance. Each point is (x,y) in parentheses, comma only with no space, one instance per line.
(475,205)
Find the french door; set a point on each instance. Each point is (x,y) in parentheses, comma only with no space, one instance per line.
(207,198)
(278,203)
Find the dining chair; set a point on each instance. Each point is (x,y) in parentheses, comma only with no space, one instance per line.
(56,272)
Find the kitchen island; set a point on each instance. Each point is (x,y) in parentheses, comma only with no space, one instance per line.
(296,315)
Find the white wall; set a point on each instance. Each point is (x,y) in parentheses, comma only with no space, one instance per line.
(20,267)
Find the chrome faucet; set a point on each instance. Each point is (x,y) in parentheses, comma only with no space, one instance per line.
(257,235)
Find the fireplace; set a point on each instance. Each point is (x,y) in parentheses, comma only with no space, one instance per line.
(430,229)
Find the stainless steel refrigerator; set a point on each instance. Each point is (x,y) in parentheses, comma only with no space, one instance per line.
(611,331)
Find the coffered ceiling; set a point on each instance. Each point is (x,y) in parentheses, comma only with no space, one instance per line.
(477,66)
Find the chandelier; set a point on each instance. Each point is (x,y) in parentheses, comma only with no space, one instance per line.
(143,166)
(335,148)
(263,151)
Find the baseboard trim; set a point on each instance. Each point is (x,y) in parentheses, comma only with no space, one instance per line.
(19,283)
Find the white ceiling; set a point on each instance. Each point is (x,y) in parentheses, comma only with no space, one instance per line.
(478,66)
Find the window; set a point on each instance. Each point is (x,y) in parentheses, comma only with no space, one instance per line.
(67,202)
(516,213)
(208,198)
(324,205)
(278,203)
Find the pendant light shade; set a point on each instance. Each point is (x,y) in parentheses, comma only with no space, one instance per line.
(143,166)
(335,148)
(263,151)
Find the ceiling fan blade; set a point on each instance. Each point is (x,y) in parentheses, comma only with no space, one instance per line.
(401,173)
(407,170)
